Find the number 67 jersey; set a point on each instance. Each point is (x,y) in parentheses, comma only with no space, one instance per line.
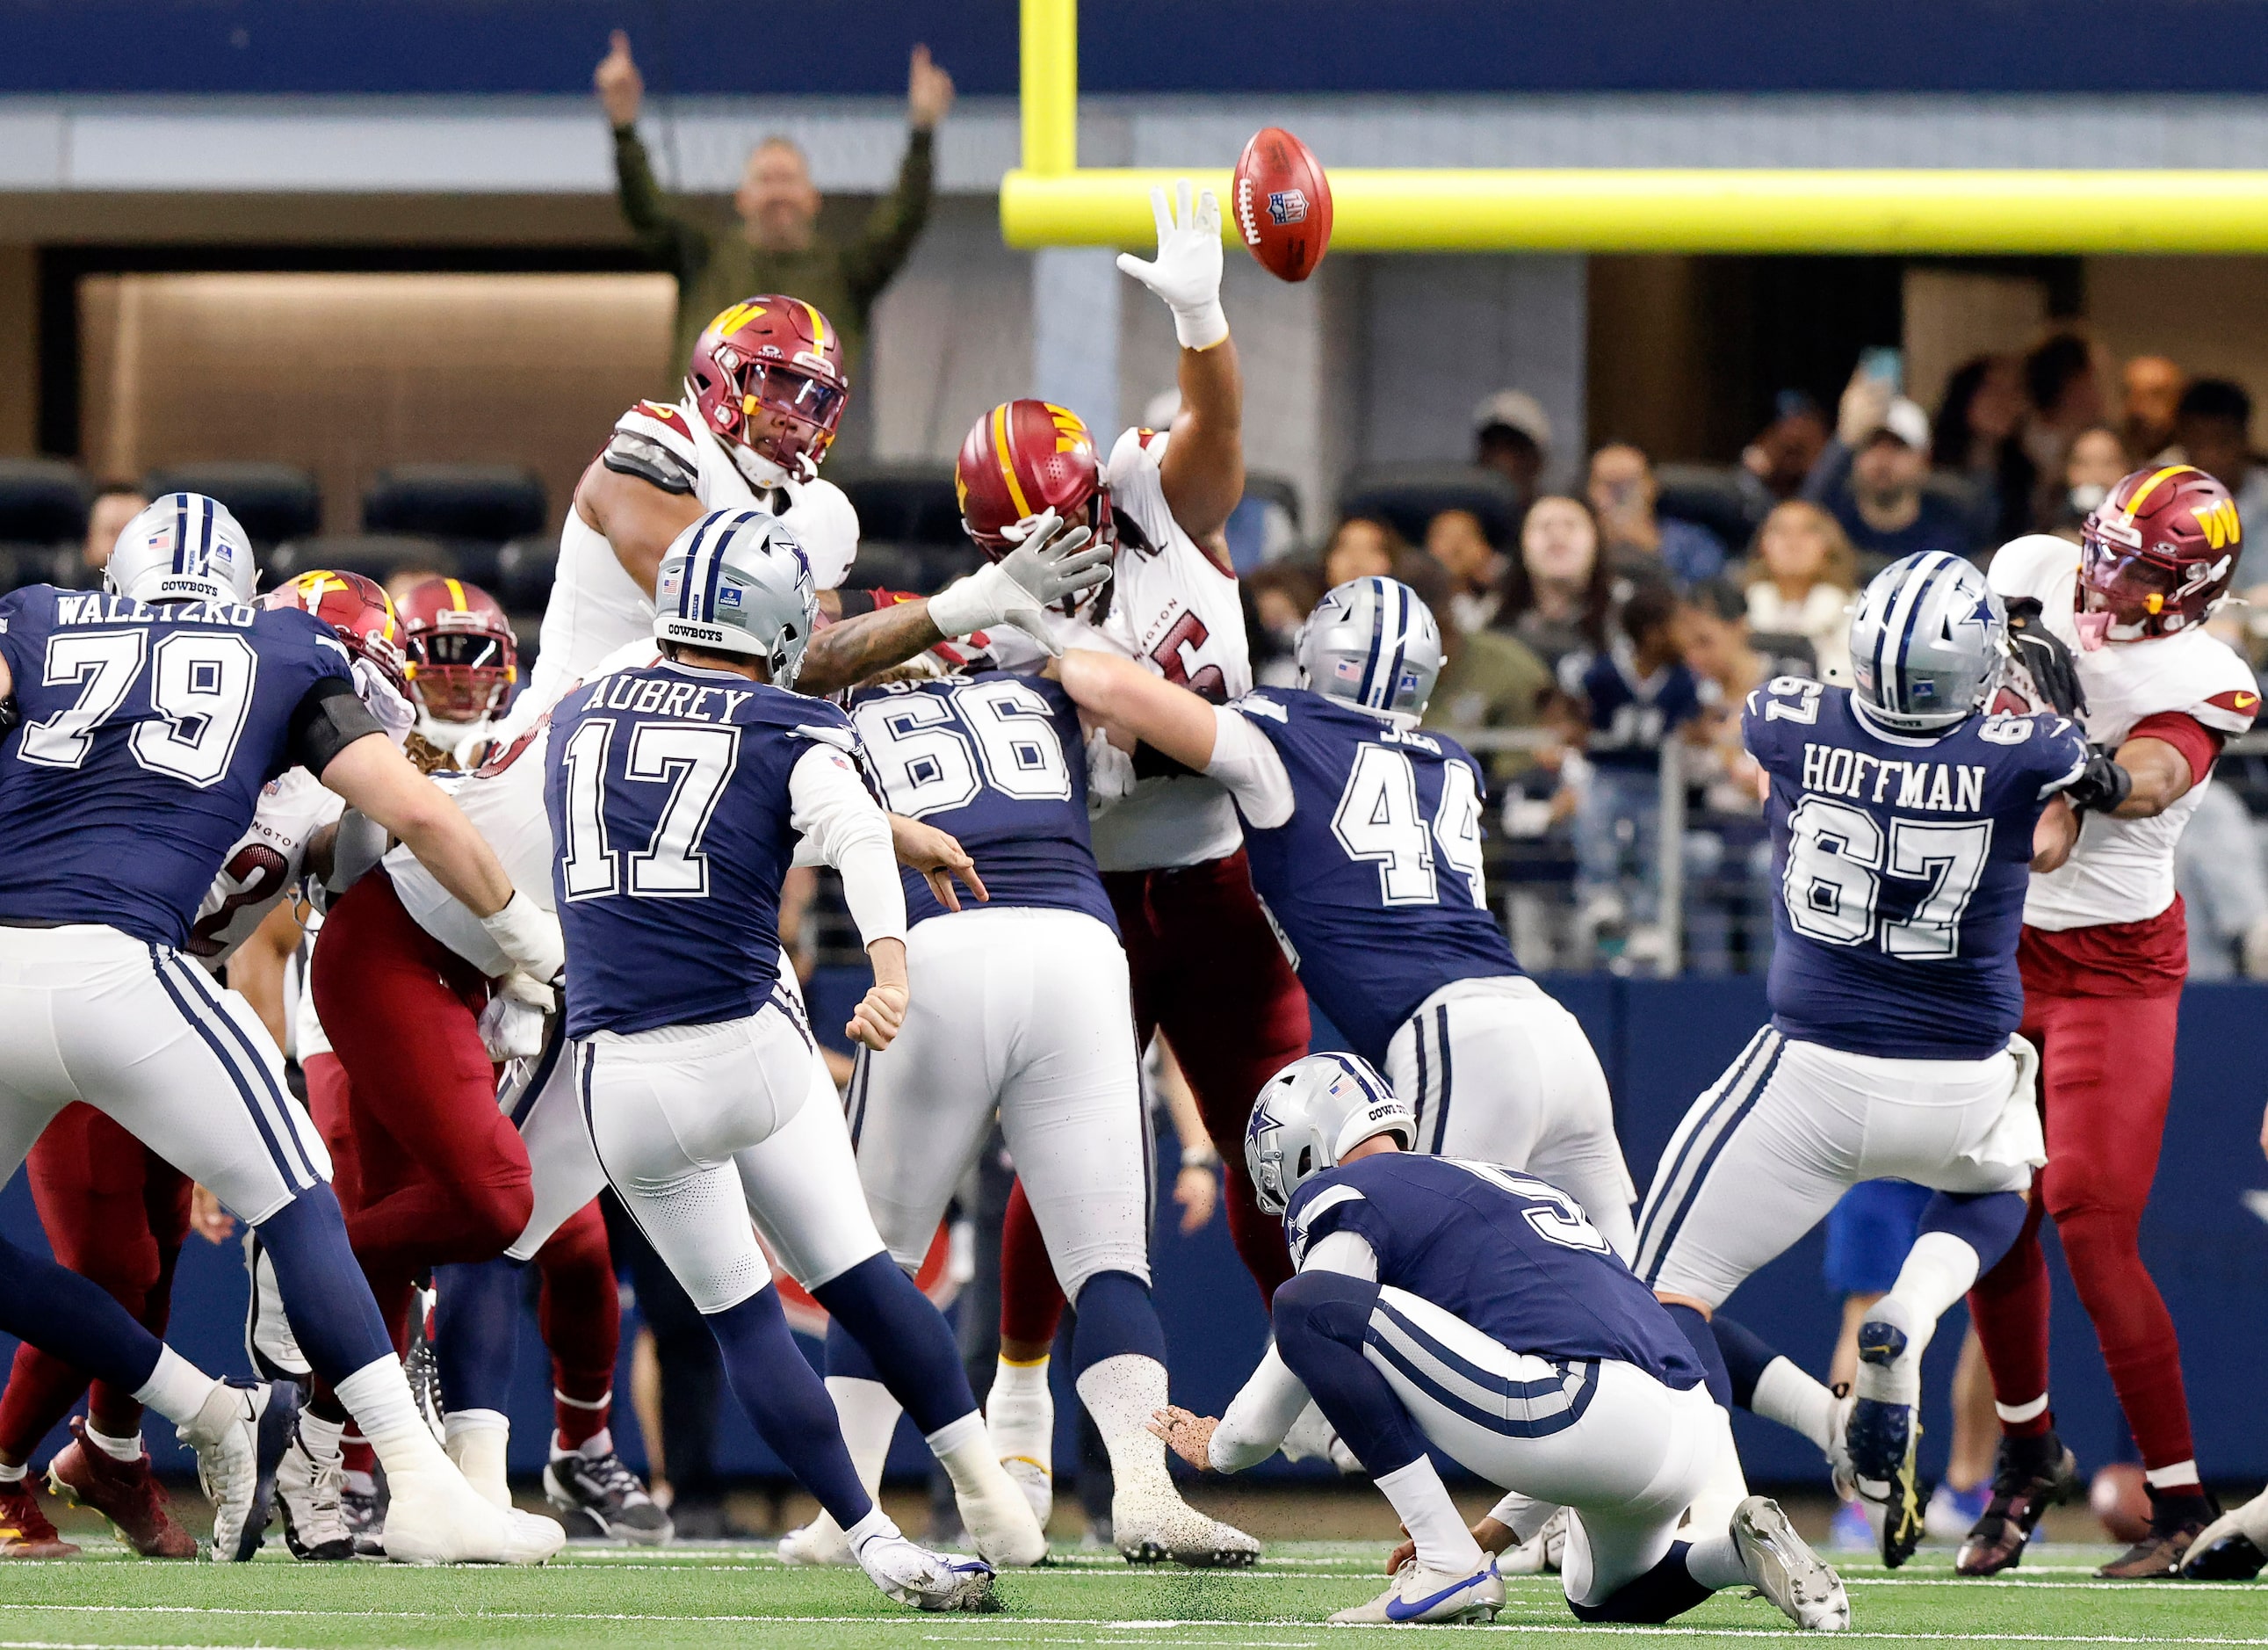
(1902,864)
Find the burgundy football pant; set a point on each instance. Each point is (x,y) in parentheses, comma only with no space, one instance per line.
(1207,970)
(115,1212)
(2107,1078)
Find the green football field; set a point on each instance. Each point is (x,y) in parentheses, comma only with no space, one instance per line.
(726,1596)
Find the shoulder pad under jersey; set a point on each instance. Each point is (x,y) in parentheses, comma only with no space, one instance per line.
(653,442)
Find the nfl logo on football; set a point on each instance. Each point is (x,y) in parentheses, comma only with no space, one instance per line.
(1288,206)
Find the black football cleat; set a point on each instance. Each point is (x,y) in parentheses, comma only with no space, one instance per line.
(2032,1474)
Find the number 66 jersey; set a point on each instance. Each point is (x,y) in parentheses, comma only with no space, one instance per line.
(1903,863)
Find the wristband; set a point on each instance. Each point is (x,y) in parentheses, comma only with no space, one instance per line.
(527,934)
(1200,328)
(1200,1156)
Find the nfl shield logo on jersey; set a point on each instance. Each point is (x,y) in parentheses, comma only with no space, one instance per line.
(1287,206)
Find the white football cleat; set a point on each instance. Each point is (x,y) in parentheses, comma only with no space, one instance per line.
(1000,1521)
(1785,1570)
(926,1581)
(1419,1594)
(241,1437)
(433,1516)
(820,1542)
(1151,1524)
(308,1488)
(1540,1553)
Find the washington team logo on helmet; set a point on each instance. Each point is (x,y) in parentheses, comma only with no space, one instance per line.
(768,375)
(1024,457)
(1927,643)
(359,610)
(737,582)
(463,658)
(185,546)
(2157,554)
(1372,643)
(1311,1114)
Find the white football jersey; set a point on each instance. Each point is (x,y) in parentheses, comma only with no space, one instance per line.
(2123,870)
(504,801)
(266,864)
(596,606)
(1171,606)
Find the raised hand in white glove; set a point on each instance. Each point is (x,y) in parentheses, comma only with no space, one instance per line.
(1049,563)
(1186,272)
(1110,772)
(529,936)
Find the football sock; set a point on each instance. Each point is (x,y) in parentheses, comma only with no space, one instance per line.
(1715,1563)
(900,1340)
(1321,1320)
(599,1444)
(1703,1341)
(126,1449)
(789,1405)
(1746,1357)
(1422,1502)
(579,1311)
(1115,1318)
(476,1333)
(1989,1223)
(964,1449)
(76,1320)
(477,1440)
(1790,1396)
(2009,1306)
(1670,1589)
(576,1424)
(324,1440)
(378,1396)
(1121,1394)
(868,1415)
(40,1391)
(333,1317)
(1020,1412)
(13,1472)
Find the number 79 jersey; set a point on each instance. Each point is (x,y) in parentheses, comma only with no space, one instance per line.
(1902,864)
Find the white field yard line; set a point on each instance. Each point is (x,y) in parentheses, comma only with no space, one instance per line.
(1113,1630)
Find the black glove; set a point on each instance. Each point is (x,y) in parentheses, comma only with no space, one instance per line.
(9,717)
(2103,787)
(2044,658)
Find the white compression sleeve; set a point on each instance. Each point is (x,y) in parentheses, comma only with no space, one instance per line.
(1246,765)
(830,805)
(1347,1252)
(1258,1417)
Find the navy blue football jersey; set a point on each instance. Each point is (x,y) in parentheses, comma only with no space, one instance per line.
(996,761)
(1631,715)
(668,791)
(1902,864)
(1509,1254)
(1374,883)
(147,733)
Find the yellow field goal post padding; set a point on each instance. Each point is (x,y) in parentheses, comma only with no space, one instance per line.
(1051,201)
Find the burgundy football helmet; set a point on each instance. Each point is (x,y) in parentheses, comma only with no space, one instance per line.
(1021,458)
(357,609)
(463,657)
(2156,555)
(768,375)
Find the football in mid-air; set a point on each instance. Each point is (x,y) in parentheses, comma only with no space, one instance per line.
(1283,205)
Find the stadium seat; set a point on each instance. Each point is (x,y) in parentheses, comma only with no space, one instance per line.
(480,502)
(43,502)
(377,556)
(522,575)
(910,533)
(274,502)
(1712,496)
(1408,496)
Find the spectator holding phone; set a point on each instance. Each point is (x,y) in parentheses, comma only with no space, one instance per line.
(1870,476)
(1639,541)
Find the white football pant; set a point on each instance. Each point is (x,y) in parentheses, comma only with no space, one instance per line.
(800,1182)
(1765,1152)
(1625,1454)
(145,1035)
(1025,1011)
(1498,1073)
(667,1109)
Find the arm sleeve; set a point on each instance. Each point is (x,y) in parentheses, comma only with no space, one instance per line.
(830,805)
(1258,1417)
(2199,745)
(359,842)
(877,255)
(1342,1251)
(1245,764)
(676,245)
(328,719)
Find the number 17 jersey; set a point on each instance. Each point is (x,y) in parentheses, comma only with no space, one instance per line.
(1901,863)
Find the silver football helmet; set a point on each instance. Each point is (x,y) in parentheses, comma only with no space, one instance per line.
(184,547)
(737,582)
(1372,643)
(1313,1109)
(1927,643)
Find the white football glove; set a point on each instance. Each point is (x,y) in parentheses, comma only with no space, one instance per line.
(511,1024)
(1047,565)
(1109,778)
(1186,272)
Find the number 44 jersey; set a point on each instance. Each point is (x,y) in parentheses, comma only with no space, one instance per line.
(1902,864)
